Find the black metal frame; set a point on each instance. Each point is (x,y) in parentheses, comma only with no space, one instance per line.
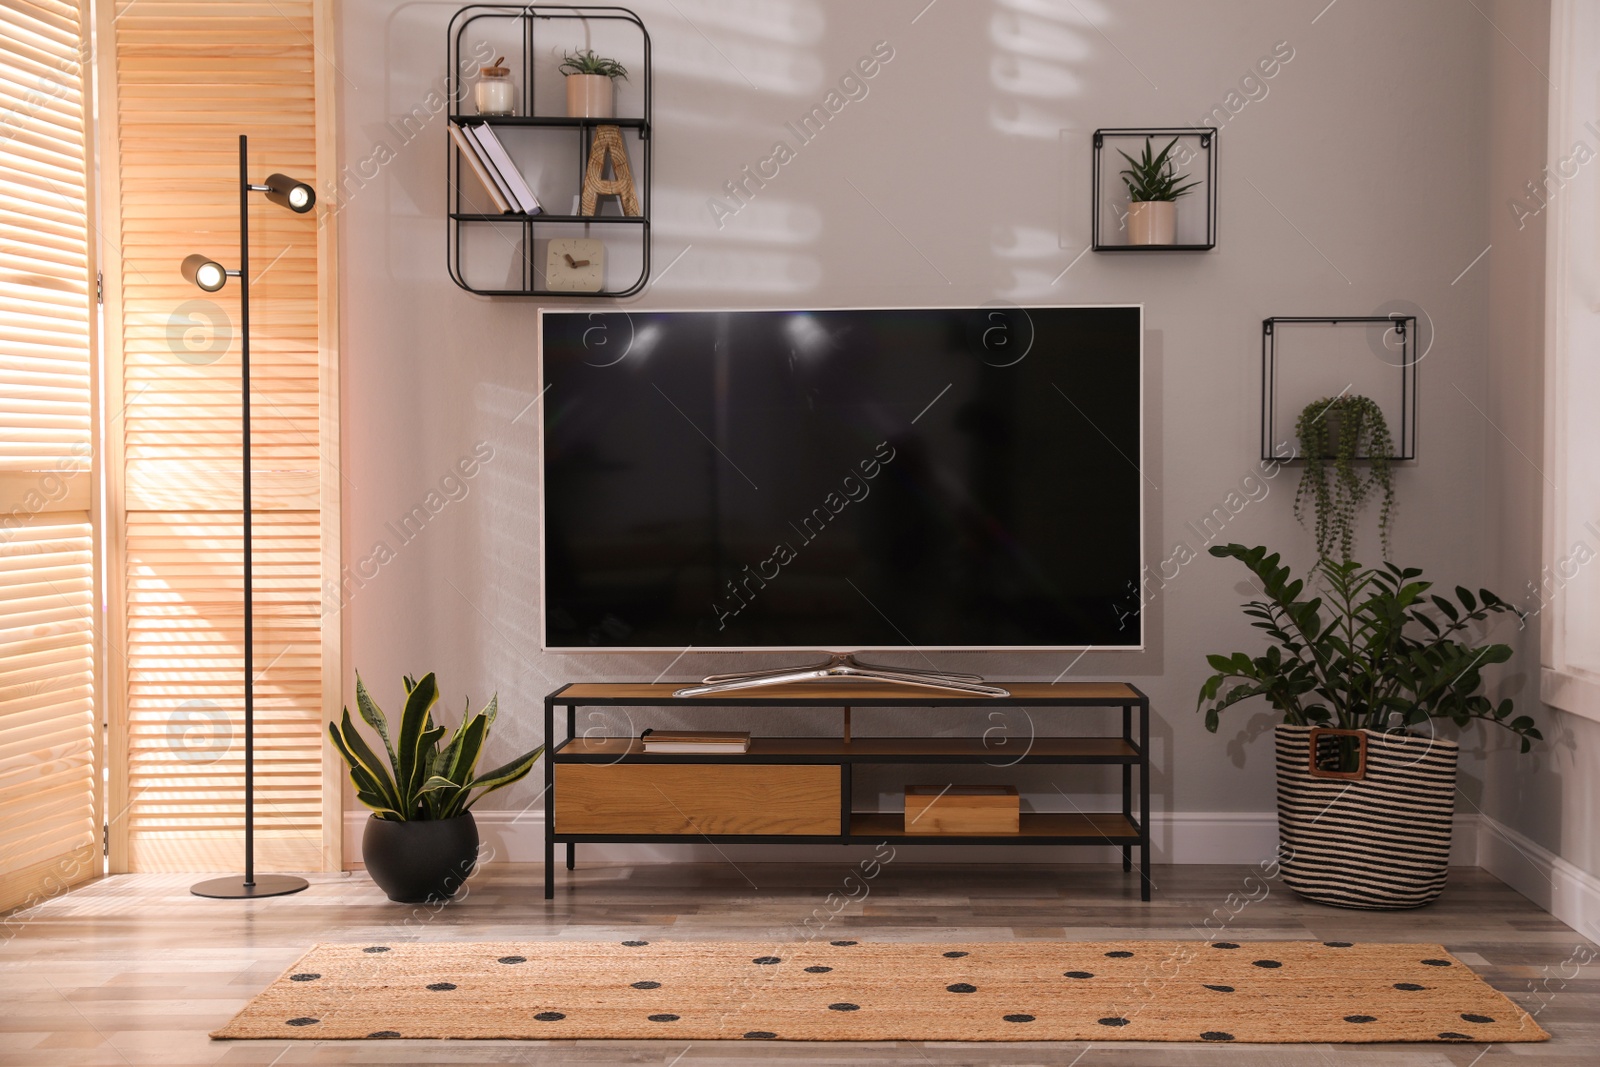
(556,752)
(1208,142)
(1404,325)
(530,15)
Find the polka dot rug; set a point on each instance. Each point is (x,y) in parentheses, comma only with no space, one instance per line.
(847,990)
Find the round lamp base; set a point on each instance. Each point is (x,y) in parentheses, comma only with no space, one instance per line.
(234,887)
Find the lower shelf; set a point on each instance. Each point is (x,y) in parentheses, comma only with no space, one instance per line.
(1112,828)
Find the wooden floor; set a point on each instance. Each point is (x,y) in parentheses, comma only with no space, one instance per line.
(134,970)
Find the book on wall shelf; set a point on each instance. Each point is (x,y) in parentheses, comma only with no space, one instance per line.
(471,155)
(499,159)
(695,741)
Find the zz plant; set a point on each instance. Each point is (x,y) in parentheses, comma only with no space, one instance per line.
(1153,176)
(416,778)
(1333,432)
(1377,646)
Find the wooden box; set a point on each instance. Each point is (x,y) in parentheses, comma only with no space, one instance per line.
(962,809)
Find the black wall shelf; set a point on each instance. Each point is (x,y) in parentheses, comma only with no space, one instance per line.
(515,28)
(1393,348)
(1108,231)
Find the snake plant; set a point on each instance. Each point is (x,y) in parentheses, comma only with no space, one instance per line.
(420,779)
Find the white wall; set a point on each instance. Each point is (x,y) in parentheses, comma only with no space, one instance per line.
(1548,799)
(1356,183)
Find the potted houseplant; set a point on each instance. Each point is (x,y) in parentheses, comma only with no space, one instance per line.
(1335,432)
(421,842)
(1366,792)
(1153,192)
(591,93)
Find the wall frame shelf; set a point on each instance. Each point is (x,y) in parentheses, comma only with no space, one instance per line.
(1108,231)
(1286,388)
(502,254)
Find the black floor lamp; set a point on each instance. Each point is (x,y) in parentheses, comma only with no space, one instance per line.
(211,276)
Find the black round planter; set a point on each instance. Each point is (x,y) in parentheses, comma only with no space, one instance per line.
(415,862)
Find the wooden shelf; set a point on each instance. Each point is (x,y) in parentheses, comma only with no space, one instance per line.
(552,122)
(1108,827)
(868,750)
(855,694)
(516,216)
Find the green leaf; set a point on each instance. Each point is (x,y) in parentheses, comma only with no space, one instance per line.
(465,759)
(415,723)
(379,805)
(505,775)
(373,716)
(357,753)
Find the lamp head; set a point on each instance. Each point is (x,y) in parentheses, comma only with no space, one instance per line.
(295,195)
(204,272)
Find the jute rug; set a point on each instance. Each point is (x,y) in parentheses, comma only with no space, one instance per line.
(843,990)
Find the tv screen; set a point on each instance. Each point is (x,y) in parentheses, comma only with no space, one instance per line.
(841,480)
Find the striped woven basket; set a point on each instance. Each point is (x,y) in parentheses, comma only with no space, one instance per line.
(1372,836)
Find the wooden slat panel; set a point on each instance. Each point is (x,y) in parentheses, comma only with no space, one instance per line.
(49,770)
(191,77)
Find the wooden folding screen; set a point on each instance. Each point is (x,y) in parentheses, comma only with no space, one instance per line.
(182,82)
(49,740)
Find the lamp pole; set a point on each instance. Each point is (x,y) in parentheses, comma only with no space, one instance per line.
(268,885)
(249,561)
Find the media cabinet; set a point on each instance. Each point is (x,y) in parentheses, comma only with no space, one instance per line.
(605,788)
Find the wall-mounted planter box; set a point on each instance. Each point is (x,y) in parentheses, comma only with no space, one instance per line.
(1306,358)
(1196,155)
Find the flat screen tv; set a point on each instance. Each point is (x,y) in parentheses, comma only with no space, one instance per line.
(841,479)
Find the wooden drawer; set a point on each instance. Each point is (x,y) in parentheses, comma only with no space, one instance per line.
(696,798)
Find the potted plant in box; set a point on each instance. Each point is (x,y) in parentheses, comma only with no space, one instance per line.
(1366,793)
(1334,433)
(421,842)
(1153,191)
(591,92)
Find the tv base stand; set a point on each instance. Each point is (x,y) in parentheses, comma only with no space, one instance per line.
(845,668)
(601,786)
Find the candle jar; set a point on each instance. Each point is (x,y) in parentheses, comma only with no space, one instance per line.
(494,93)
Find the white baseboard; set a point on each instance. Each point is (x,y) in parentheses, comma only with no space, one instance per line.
(1230,837)
(1566,891)
(1561,888)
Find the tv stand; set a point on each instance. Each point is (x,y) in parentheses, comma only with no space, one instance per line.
(845,668)
(600,785)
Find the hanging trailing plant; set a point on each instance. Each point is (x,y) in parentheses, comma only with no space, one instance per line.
(1334,432)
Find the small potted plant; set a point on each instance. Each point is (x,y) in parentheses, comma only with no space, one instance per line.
(591,92)
(1360,674)
(1153,192)
(1334,433)
(421,842)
